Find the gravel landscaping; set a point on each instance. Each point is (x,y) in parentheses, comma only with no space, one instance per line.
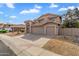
(62,47)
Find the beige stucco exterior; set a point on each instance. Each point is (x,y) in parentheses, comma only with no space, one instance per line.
(47,24)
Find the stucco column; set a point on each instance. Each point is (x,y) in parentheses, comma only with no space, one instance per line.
(30,27)
(25,28)
(45,30)
(56,29)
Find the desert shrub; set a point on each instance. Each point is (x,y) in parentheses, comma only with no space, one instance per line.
(3,31)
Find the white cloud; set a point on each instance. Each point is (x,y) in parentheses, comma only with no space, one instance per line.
(34,10)
(53,5)
(62,9)
(12,17)
(38,7)
(30,11)
(1,13)
(10,5)
(69,7)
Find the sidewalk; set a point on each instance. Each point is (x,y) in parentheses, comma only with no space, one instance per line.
(5,50)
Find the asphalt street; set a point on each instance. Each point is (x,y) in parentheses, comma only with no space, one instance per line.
(5,51)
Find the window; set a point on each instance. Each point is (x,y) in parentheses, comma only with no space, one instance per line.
(41,20)
(51,18)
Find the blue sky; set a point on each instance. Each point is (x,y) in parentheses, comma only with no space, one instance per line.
(17,13)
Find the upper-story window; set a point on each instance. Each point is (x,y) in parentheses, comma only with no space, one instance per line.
(41,19)
(51,18)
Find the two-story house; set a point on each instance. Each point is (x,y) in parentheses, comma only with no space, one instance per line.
(48,24)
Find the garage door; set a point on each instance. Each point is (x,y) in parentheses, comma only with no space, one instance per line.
(51,30)
(38,30)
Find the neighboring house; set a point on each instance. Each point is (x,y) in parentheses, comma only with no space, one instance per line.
(13,27)
(9,29)
(48,24)
(17,28)
(1,26)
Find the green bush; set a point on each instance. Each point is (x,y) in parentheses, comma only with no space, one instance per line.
(3,31)
(70,24)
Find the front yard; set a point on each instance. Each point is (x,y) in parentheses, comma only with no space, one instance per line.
(62,47)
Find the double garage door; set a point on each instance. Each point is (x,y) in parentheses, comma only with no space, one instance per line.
(50,30)
(37,30)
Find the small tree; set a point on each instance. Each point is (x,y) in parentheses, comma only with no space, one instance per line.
(65,24)
(71,19)
(77,24)
(70,24)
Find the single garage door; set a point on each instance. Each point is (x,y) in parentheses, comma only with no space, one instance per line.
(37,30)
(51,30)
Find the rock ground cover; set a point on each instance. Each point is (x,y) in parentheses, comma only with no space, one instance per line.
(62,47)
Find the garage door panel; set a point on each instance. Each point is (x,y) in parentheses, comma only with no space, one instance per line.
(51,30)
(37,30)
